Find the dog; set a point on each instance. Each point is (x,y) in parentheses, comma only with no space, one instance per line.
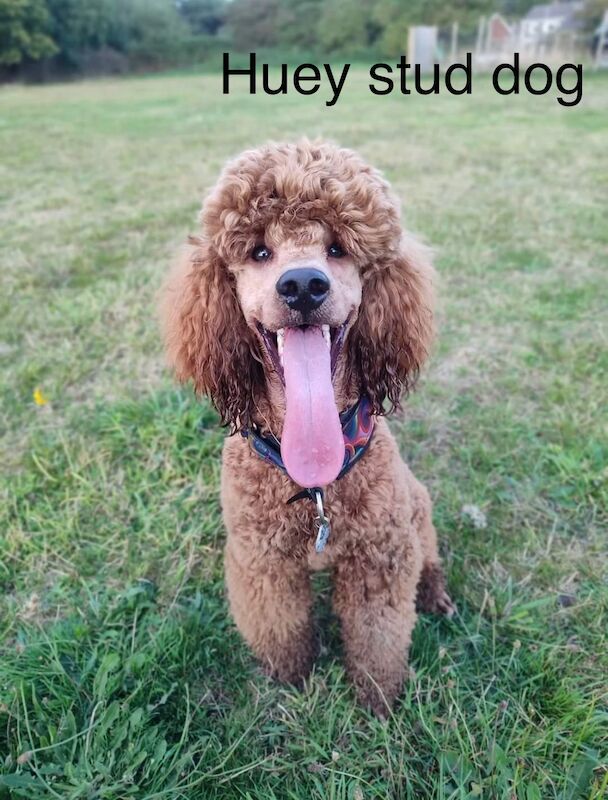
(304,312)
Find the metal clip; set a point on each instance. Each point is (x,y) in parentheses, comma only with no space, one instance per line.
(322,521)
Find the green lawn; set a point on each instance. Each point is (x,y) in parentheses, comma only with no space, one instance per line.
(121,674)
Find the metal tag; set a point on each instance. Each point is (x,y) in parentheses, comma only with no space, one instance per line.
(322,536)
(322,521)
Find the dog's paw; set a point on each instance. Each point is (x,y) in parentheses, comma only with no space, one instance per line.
(375,701)
(445,605)
(291,664)
(432,596)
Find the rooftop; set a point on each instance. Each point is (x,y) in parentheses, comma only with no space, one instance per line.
(551,10)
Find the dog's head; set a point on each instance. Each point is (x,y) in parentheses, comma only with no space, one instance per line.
(302,279)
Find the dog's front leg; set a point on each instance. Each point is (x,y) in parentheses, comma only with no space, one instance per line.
(270,600)
(376,606)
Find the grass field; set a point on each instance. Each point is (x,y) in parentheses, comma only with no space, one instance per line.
(121,674)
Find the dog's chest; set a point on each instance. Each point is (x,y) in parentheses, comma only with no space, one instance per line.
(359,507)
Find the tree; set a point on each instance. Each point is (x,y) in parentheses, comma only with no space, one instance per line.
(253,23)
(514,9)
(591,15)
(24,32)
(394,21)
(78,27)
(296,23)
(156,32)
(203,16)
(344,26)
(395,18)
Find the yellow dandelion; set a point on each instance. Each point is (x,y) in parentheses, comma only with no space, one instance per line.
(39,397)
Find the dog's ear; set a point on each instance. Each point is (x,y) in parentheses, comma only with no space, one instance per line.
(206,337)
(393,332)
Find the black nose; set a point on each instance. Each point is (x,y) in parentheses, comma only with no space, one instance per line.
(303,289)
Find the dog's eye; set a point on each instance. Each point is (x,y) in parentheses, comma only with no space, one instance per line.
(335,250)
(261,253)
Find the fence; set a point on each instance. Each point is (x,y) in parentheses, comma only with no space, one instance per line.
(494,41)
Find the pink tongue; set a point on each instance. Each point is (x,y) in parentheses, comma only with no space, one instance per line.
(312,444)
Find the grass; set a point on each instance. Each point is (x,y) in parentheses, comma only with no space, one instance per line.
(121,674)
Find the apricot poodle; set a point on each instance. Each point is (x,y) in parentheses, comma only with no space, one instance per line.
(304,312)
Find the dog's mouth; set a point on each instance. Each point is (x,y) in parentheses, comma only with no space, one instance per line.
(305,358)
(274,343)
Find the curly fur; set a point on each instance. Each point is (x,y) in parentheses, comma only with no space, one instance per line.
(383,546)
(205,338)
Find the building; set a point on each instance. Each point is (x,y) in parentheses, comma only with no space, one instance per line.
(499,32)
(543,22)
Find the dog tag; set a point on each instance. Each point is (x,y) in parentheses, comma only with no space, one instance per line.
(322,521)
(322,535)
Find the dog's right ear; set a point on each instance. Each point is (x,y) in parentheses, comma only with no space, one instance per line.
(392,335)
(206,337)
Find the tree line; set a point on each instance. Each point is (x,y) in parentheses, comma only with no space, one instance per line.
(53,38)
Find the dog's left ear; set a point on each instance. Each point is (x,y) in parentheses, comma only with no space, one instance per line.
(392,335)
